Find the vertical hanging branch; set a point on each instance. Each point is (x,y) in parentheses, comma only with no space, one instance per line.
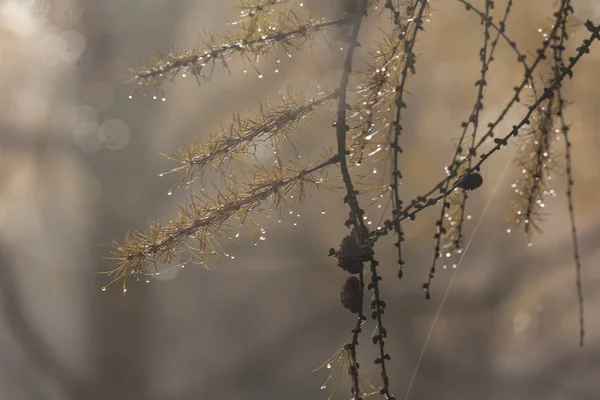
(356,219)
(486,56)
(350,198)
(453,205)
(409,64)
(527,78)
(534,158)
(558,64)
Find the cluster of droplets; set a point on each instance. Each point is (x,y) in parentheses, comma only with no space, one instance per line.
(448,255)
(154,97)
(139,274)
(522,190)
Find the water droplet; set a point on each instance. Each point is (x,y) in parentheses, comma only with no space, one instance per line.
(124,290)
(169,193)
(104,289)
(328,366)
(508,230)
(262,238)
(295,223)
(147,280)
(237,235)
(323,387)
(323,212)
(131,96)
(164,99)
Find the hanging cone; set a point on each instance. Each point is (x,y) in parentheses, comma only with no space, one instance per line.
(351,295)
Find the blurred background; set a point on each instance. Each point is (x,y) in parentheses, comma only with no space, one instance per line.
(79,166)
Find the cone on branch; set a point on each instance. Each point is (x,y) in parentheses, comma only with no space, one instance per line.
(351,295)
(471,181)
(349,255)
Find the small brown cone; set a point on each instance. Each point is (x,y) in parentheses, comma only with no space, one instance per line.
(471,181)
(351,295)
(350,255)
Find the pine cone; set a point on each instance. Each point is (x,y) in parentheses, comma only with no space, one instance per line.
(350,255)
(471,181)
(351,295)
